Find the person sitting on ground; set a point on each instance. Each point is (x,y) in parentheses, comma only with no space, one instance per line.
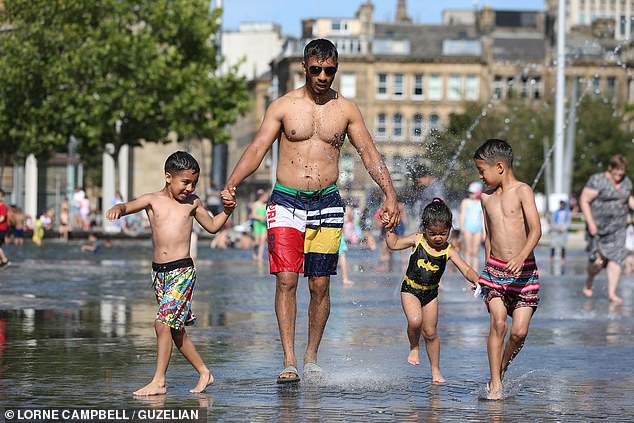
(93,245)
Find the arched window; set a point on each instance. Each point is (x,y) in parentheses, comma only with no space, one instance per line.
(434,122)
(397,126)
(380,127)
(417,126)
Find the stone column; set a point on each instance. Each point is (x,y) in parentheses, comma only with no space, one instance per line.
(17,192)
(30,187)
(107,187)
(124,156)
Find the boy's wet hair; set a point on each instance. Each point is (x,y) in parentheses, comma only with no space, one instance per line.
(179,161)
(493,150)
(322,49)
(436,213)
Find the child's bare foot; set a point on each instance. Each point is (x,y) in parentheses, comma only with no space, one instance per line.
(412,357)
(616,300)
(494,393)
(587,291)
(206,379)
(436,377)
(152,388)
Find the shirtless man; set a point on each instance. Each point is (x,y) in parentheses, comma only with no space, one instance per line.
(305,211)
(509,280)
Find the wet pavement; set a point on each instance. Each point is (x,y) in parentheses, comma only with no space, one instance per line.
(76,331)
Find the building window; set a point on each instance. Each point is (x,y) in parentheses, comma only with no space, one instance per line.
(611,86)
(348,85)
(417,86)
(397,126)
(435,87)
(380,130)
(454,89)
(509,86)
(596,85)
(399,86)
(537,87)
(524,87)
(434,122)
(381,85)
(472,87)
(339,27)
(397,162)
(417,126)
(498,87)
(398,166)
(350,46)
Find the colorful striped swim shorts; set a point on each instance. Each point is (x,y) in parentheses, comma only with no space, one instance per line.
(304,230)
(173,285)
(515,290)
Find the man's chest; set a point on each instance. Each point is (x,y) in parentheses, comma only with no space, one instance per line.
(329,125)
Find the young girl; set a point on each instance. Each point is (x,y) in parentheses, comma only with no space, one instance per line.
(419,291)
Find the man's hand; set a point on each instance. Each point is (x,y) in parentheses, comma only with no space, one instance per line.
(229,200)
(390,214)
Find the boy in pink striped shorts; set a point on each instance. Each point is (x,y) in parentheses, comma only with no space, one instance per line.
(509,280)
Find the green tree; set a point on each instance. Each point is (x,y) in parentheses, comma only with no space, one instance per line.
(115,72)
(602,131)
(524,125)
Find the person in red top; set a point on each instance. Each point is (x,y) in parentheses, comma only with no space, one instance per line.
(4,226)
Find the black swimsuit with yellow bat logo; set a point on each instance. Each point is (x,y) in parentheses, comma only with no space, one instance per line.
(424,272)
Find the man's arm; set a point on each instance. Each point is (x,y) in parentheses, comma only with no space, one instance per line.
(362,142)
(527,201)
(254,153)
(587,196)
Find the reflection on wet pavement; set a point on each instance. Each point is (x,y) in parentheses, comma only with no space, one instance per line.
(77,332)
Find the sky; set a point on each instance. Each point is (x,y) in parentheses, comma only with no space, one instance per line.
(289,13)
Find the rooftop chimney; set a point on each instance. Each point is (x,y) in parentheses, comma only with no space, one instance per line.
(401,12)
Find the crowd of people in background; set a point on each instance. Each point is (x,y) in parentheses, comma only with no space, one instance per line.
(362,229)
(74,215)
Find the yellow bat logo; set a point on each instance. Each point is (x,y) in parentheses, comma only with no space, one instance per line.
(427,265)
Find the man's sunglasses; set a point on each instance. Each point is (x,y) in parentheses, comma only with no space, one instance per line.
(316,70)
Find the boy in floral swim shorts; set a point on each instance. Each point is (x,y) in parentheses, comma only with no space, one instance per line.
(171,212)
(509,281)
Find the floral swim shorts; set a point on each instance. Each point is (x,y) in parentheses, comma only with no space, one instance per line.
(173,285)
